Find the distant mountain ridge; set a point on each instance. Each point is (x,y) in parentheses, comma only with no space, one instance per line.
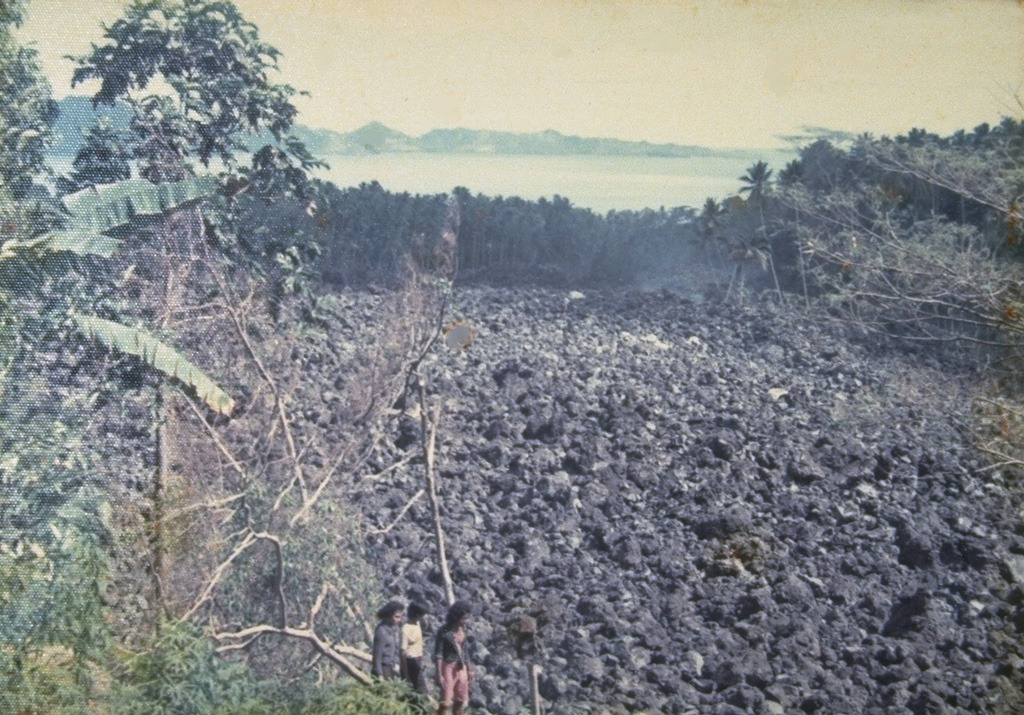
(376,138)
(77,114)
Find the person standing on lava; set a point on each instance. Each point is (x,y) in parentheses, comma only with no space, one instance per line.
(386,639)
(453,673)
(412,648)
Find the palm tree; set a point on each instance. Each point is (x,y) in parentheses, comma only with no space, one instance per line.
(756,183)
(756,180)
(709,224)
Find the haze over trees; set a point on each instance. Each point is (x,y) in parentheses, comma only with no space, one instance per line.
(189,417)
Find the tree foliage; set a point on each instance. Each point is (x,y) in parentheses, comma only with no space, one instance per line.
(181,674)
(916,236)
(364,231)
(53,531)
(170,362)
(218,71)
(26,109)
(26,265)
(210,56)
(103,159)
(51,512)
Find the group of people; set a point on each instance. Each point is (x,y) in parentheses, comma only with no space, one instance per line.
(398,651)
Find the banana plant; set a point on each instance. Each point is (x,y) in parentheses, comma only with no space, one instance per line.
(159,355)
(97,211)
(93,215)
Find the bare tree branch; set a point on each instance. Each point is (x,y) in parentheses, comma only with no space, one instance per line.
(217,441)
(218,574)
(243,336)
(384,472)
(338,654)
(401,514)
(318,604)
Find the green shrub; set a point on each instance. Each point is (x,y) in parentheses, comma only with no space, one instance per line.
(183,675)
(389,697)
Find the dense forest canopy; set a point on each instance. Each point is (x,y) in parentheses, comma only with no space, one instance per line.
(147,293)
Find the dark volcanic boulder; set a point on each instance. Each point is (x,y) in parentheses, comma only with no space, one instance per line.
(715,508)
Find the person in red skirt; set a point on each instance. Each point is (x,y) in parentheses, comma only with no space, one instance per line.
(453,673)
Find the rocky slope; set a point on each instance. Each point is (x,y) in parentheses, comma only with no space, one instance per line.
(682,508)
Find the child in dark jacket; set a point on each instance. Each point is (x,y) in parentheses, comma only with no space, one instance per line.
(386,641)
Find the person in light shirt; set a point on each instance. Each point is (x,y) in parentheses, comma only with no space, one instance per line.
(412,648)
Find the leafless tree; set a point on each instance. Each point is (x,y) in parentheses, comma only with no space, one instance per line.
(262,543)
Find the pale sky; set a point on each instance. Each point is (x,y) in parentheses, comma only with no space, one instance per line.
(725,73)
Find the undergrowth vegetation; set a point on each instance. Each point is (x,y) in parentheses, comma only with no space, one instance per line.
(182,674)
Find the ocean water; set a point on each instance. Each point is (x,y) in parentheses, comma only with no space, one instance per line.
(600,183)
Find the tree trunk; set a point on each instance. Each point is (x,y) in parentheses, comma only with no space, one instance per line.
(163,450)
(535,689)
(771,250)
(428,441)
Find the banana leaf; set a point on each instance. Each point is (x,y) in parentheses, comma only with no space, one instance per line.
(83,243)
(157,354)
(102,208)
(96,210)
